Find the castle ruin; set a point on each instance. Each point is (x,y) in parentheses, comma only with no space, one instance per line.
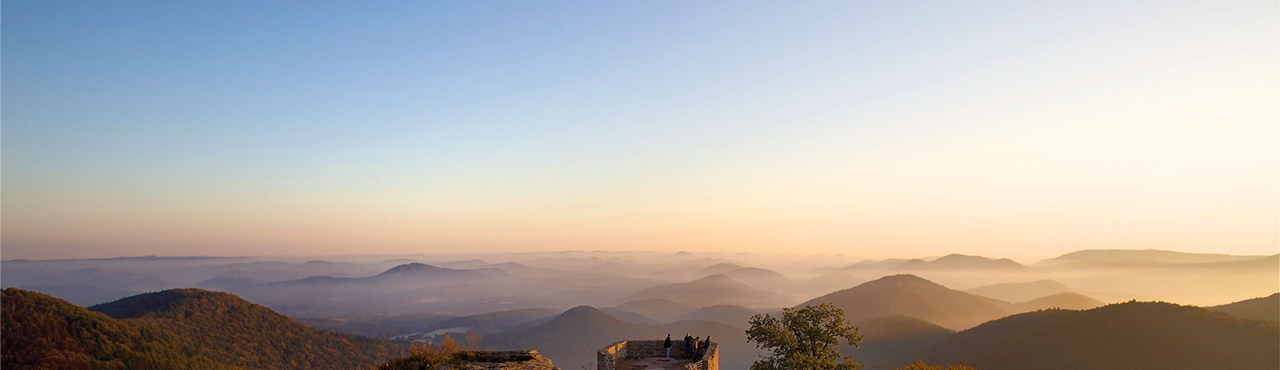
(649,354)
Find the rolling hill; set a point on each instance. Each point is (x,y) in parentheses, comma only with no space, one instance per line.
(1020,292)
(658,309)
(754,273)
(570,338)
(378,326)
(1129,336)
(708,291)
(764,279)
(1066,301)
(866,265)
(827,283)
(173,329)
(961,262)
(495,322)
(890,336)
(916,297)
(230,330)
(718,268)
(735,316)
(43,332)
(628,316)
(1262,308)
(1136,258)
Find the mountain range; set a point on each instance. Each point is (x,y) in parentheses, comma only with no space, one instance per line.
(913,296)
(1262,308)
(1065,300)
(175,329)
(961,262)
(1020,292)
(711,290)
(1128,336)
(549,305)
(1136,258)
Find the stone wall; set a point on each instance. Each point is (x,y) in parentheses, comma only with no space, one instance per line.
(505,360)
(607,358)
(709,361)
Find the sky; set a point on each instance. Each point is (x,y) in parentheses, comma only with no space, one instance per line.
(1022,129)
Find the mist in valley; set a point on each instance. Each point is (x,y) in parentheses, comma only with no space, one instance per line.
(569,303)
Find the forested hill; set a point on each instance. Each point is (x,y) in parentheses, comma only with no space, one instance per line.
(235,331)
(175,329)
(43,332)
(1263,308)
(1125,336)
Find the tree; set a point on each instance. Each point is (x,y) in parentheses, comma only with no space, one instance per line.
(804,339)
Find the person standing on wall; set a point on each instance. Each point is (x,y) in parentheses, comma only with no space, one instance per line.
(705,345)
(667,345)
(694,354)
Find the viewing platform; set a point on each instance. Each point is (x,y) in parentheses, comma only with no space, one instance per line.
(650,355)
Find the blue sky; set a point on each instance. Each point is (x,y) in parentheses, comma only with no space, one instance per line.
(283,127)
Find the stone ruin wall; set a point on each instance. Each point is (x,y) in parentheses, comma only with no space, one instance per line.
(607,358)
(508,360)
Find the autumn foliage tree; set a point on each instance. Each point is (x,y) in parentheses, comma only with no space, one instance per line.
(804,339)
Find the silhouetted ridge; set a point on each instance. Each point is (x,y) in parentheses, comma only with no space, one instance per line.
(894,335)
(710,290)
(1263,308)
(736,316)
(231,330)
(714,279)
(163,302)
(718,268)
(913,296)
(1129,336)
(43,332)
(585,314)
(494,322)
(754,273)
(410,269)
(961,262)
(570,338)
(1064,300)
(1020,292)
(656,308)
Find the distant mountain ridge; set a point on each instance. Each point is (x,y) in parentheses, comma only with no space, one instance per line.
(656,308)
(1126,336)
(710,290)
(173,329)
(406,273)
(913,296)
(1127,256)
(1262,308)
(1064,300)
(962,262)
(234,331)
(1020,292)
(889,336)
(718,268)
(735,316)
(44,332)
(873,265)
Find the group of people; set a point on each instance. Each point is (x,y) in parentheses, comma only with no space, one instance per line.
(694,347)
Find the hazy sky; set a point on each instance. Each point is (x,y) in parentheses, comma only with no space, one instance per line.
(1016,129)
